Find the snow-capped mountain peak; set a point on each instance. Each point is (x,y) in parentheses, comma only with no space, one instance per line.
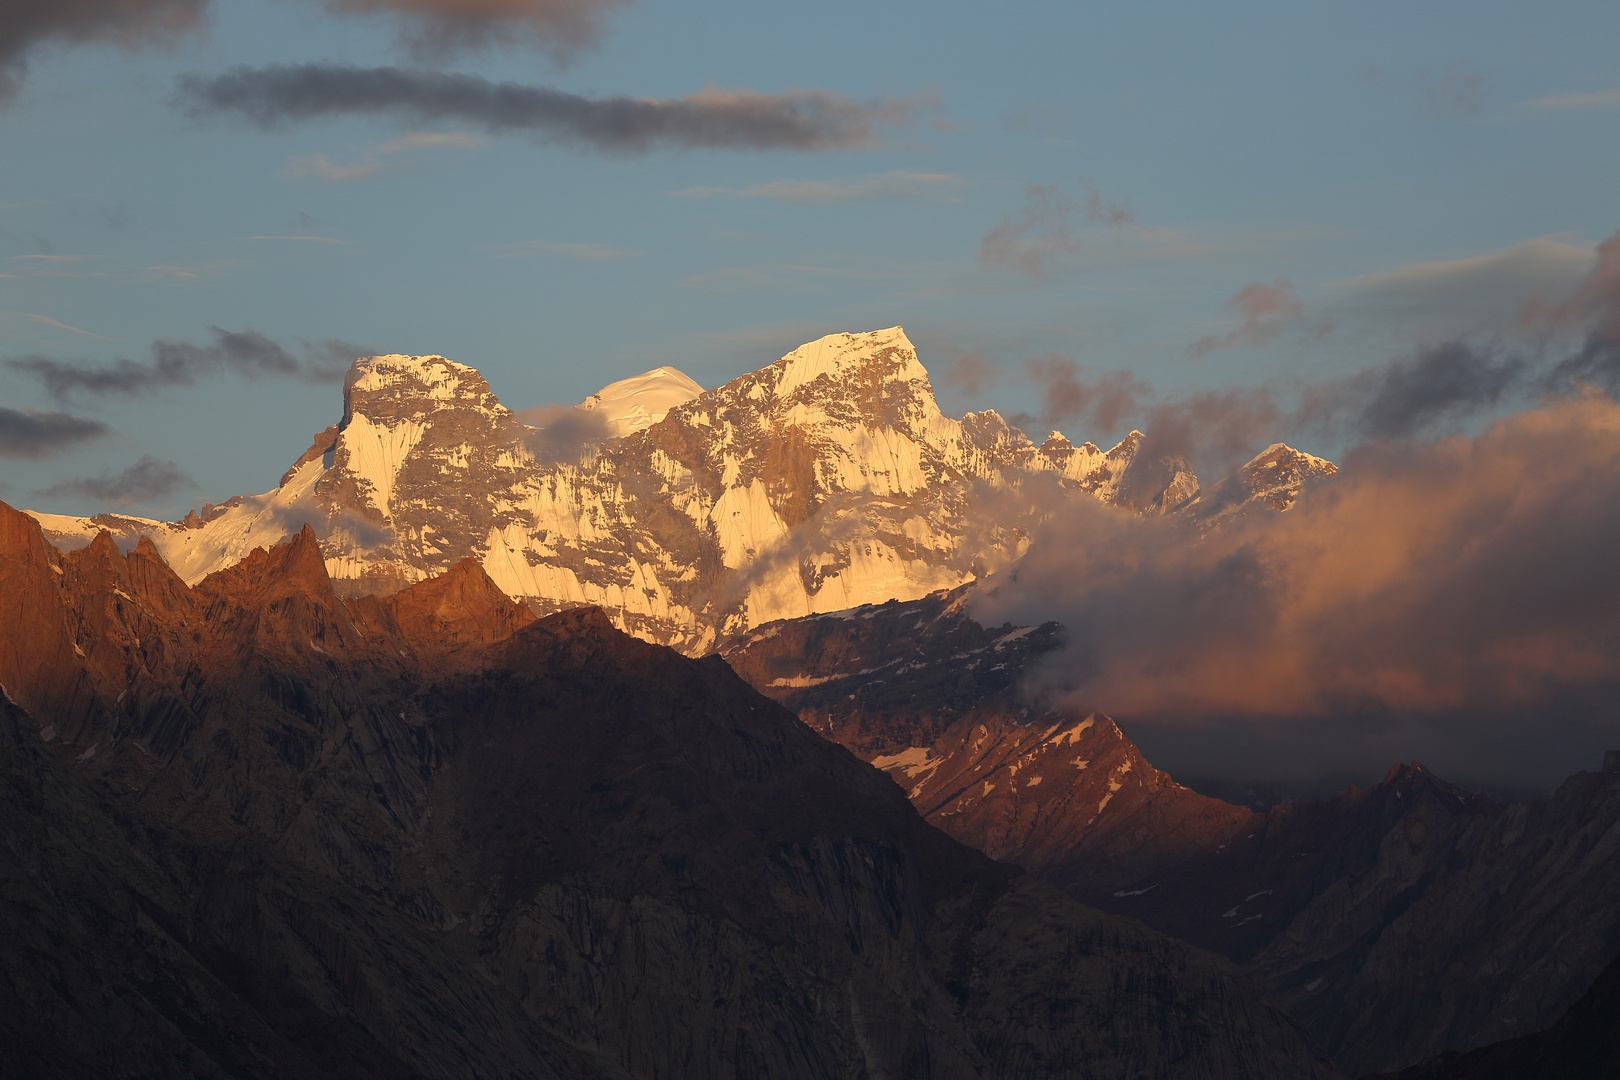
(823,481)
(637,403)
(1271,479)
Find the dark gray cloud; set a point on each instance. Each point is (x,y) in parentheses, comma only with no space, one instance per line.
(178,363)
(148,480)
(329,360)
(27,24)
(713,118)
(1411,395)
(434,28)
(1458,91)
(1215,428)
(1593,311)
(27,433)
(429,28)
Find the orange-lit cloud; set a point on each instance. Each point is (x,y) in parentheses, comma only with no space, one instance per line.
(1466,588)
(436,27)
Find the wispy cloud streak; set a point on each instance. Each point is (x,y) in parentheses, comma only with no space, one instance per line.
(889,186)
(1597,99)
(178,363)
(710,119)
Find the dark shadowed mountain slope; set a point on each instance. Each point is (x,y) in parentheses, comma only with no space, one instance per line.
(1583,1045)
(1395,923)
(277,833)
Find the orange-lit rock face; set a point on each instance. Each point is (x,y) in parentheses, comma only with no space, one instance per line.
(459,607)
(92,637)
(38,665)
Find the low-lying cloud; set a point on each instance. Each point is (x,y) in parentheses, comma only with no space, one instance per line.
(32,434)
(1456,600)
(178,363)
(147,481)
(562,434)
(28,24)
(712,119)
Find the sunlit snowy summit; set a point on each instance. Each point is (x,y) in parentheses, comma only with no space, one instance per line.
(825,480)
(637,403)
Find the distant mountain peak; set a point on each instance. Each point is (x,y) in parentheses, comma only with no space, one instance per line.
(637,403)
(1271,480)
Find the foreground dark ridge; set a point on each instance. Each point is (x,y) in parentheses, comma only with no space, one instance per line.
(1583,1045)
(255,830)
(1394,924)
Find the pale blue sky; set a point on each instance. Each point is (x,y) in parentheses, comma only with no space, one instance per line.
(1337,148)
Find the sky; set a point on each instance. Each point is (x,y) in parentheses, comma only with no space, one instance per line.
(231,198)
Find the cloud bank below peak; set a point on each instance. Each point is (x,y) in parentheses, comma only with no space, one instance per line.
(1442,598)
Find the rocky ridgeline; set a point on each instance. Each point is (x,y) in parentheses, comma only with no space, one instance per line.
(826,480)
(254,829)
